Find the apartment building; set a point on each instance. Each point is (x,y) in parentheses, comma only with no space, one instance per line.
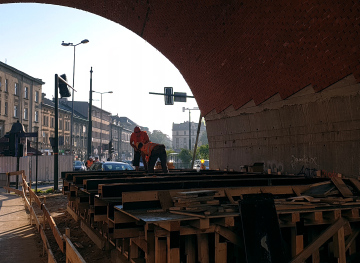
(20,99)
(181,133)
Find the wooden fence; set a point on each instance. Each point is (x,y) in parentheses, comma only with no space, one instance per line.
(63,241)
(45,166)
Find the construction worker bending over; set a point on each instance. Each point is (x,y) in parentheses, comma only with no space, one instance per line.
(154,151)
(136,137)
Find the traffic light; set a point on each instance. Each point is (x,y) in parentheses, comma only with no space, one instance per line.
(111,148)
(169,97)
(63,87)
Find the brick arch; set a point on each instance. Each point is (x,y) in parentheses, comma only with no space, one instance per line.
(233,52)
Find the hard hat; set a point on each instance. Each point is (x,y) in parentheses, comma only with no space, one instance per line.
(137,129)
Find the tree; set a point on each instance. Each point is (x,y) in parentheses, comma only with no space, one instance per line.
(158,137)
(185,156)
(203,138)
(203,151)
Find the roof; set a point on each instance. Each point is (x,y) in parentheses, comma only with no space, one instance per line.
(63,107)
(38,81)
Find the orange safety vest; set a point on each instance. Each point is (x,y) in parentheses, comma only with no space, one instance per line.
(148,147)
(139,137)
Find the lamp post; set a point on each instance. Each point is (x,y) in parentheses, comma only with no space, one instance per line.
(72,97)
(184,109)
(101,93)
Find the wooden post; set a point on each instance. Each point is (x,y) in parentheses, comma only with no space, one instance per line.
(339,245)
(160,250)
(150,239)
(297,242)
(203,248)
(190,249)
(173,253)
(134,251)
(220,249)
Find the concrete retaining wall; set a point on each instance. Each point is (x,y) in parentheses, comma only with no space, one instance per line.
(312,130)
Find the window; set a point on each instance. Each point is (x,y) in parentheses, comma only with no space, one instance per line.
(36,116)
(6,85)
(16,111)
(26,114)
(0,82)
(60,124)
(67,126)
(16,89)
(36,96)
(0,107)
(52,124)
(26,92)
(6,109)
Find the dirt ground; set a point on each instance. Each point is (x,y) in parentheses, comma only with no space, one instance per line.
(56,203)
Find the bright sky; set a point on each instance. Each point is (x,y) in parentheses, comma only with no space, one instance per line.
(122,62)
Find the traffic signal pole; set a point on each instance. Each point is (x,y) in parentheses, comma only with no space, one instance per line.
(56,148)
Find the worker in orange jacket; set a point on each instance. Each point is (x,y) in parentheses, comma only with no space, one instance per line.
(154,151)
(138,136)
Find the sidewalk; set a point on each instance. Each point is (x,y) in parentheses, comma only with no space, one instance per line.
(19,241)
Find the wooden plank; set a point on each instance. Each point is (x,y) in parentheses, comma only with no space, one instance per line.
(339,245)
(173,251)
(342,187)
(140,242)
(229,235)
(297,242)
(160,250)
(316,244)
(202,223)
(355,183)
(351,240)
(220,249)
(127,232)
(165,199)
(203,248)
(190,252)
(98,240)
(72,254)
(58,237)
(72,213)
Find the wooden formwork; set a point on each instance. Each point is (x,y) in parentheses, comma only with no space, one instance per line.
(191,217)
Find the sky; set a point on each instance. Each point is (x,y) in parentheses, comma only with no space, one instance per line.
(121,61)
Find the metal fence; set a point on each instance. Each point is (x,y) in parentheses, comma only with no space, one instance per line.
(45,166)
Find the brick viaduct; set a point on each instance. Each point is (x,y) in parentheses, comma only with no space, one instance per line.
(277,81)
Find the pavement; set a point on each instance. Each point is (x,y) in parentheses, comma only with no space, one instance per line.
(18,239)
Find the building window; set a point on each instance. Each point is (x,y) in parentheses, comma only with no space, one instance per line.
(16,111)
(6,85)
(36,116)
(6,109)
(36,96)
(0,82)
(0,107)
(16,89)
(52,124)
(26,114)
(60,124)
(26,92)
(67,126)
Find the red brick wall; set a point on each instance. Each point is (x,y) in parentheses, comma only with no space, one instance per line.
(231,52)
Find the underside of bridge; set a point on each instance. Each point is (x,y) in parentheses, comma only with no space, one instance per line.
(277,82)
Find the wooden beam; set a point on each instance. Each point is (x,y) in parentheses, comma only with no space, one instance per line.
(229,235)
(316,244)
(203,248)
(339,245)
(190,251)
(220,249)
(160,250)
(297,242)
(351,240)
(342,187)
(173,252)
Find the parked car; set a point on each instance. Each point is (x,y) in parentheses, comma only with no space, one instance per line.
(110,166)
(79,166)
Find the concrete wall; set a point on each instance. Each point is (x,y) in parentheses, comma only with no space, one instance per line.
(315,130)
(45,169)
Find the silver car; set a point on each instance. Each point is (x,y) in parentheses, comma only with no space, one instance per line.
(110,166)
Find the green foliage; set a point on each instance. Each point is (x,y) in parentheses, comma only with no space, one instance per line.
(203,138)
(158,137)
(185,156)
(169,151)
(203,152)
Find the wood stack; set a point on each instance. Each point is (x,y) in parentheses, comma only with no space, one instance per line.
(202,201)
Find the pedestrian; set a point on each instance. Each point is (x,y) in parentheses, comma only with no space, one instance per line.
(89,162)
(96,159)
(136,137)
(154,151)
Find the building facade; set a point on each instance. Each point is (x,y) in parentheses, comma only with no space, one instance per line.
(20,99)
(120,136)
(181,133)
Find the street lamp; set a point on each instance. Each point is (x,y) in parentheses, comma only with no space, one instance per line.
(101,93)
(184,109)
(72,99)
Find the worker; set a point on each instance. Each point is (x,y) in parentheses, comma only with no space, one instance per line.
(154,151)
(96,159)
(89,162)
(138,136)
